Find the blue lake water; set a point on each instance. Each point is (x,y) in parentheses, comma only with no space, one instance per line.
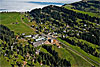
(27,5)
(46,3)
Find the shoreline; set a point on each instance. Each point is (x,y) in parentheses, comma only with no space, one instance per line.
(19,11)
(28,10)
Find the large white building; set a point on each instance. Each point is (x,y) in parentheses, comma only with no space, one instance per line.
(40,38)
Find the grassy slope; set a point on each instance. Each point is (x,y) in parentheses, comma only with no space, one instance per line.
(3,62)
(27,21)
(66,54)
(22,28)
(8,19)
(81,51)
(89,13)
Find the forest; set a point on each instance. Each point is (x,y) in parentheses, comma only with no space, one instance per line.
(76,25)
(79,25)
(90,6)
(16,53)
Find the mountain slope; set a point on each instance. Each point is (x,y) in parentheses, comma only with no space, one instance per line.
(77,32)
(82,29)
(89,6)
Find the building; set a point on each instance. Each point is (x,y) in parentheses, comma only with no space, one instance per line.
(40,38)
(11,48)
(28,36)
(23,34)
(37,52)
(24,63)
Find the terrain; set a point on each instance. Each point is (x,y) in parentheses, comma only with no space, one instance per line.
(89,6)
(13,21)
(52,36)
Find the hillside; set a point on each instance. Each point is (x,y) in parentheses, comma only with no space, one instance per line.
(76,28)
(89,6)
(51,36)
(64,21)
(93,0)
(13,21)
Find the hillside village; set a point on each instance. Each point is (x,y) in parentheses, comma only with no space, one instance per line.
(51,36)
(39,39)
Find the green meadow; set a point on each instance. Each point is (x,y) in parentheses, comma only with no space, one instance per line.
(83,12)
(76,48)
(3,62)
(14,22)
(75,60)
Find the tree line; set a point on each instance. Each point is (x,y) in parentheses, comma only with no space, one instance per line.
(84,45)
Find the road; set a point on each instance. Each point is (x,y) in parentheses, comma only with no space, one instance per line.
(25,23)
(69,48)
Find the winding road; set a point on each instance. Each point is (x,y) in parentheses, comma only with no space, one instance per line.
(72,50)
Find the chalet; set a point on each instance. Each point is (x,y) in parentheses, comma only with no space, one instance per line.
(11,48)
(72,30)
(29,21)
(41,63)
(40,38)
(33,37)
(47,42)
(64,31)
(92,35)
(59,46)
(41,22)
(37,52)
(77,34)
(49,33)
(85,25)
(50,40)
(79,31)
(18,50)
(36,27)
(67,26)
(5,54)
(84,29)
(54,32)
(28,55)
(37,31)
(32,26)
(17,37)
(37,35)
(24,63)
(23,33)
(98,24)
(28,36)
(64,36)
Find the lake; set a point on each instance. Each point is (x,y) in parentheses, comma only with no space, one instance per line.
(27,5)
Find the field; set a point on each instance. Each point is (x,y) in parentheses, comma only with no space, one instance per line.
(77,44)
(83,12)
(68,55)
(14,22)
(3,62)
(81,51)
